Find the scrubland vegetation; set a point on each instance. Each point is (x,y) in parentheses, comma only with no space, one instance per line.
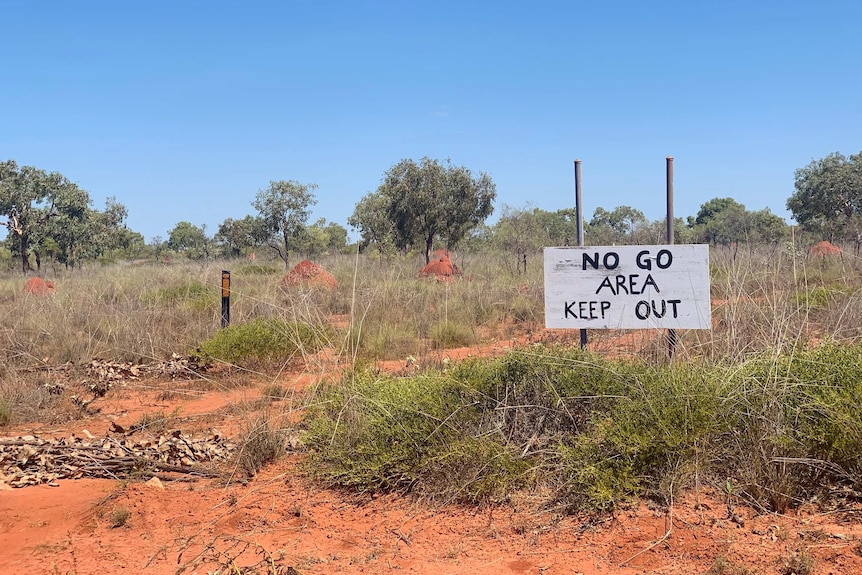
(763,408)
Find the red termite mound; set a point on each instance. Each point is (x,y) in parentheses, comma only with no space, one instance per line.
(38,286)
(441,267)
(823,249)
(309,273)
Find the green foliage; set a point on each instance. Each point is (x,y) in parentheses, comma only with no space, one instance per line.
(520,232)
(189,240)
(420,203)
(283,209)
(396,434)
(322,238)
(260,341)
(828,197)
(525,308)
(619,226)
(38,206)
(724,221)
(371,218)
(597,432)
(819,297)
(387,341)
(236,237)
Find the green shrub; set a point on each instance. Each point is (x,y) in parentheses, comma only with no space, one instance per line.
(260,341)
(782,427)
(413,433)
(819,297)
(795,429)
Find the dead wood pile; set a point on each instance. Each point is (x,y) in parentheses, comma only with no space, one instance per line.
(29,460)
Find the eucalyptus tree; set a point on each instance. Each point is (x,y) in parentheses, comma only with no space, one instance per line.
(189,240)
(618,226)
(828,197)
(724,221)
(429,201)
(284,208)
(30,198)
(519,231)
(237,236)
(371,219)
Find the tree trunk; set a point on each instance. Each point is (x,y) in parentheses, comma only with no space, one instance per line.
(286,254)
(429,243)
(25,246)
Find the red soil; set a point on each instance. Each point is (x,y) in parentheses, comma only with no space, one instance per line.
(309,273)
(38,286)
(225,526)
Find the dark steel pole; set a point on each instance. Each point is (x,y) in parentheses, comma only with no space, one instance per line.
(579,217)
(671,333)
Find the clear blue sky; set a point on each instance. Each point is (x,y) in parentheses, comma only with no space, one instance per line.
(184,110)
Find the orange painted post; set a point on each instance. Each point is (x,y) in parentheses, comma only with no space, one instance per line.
(225,298)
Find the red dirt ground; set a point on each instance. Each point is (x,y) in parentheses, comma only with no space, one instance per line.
(279,519)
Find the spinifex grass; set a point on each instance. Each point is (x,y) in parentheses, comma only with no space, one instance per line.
(592,432)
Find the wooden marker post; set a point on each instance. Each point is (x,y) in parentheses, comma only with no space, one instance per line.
(225,298)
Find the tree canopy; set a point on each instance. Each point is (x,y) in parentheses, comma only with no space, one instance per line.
(46,214)
(724,221)
(420,203)
(828,197)
(284,209)
(190,240)
(617,226)
(236,237)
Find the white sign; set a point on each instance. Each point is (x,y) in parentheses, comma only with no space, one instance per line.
(624,287)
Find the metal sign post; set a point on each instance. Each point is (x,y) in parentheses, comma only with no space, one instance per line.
(671,333)
(579,217)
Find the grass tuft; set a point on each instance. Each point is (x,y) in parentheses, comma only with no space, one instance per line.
(261,443)
(260,341)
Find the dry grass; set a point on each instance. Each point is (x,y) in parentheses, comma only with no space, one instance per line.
(770,304)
